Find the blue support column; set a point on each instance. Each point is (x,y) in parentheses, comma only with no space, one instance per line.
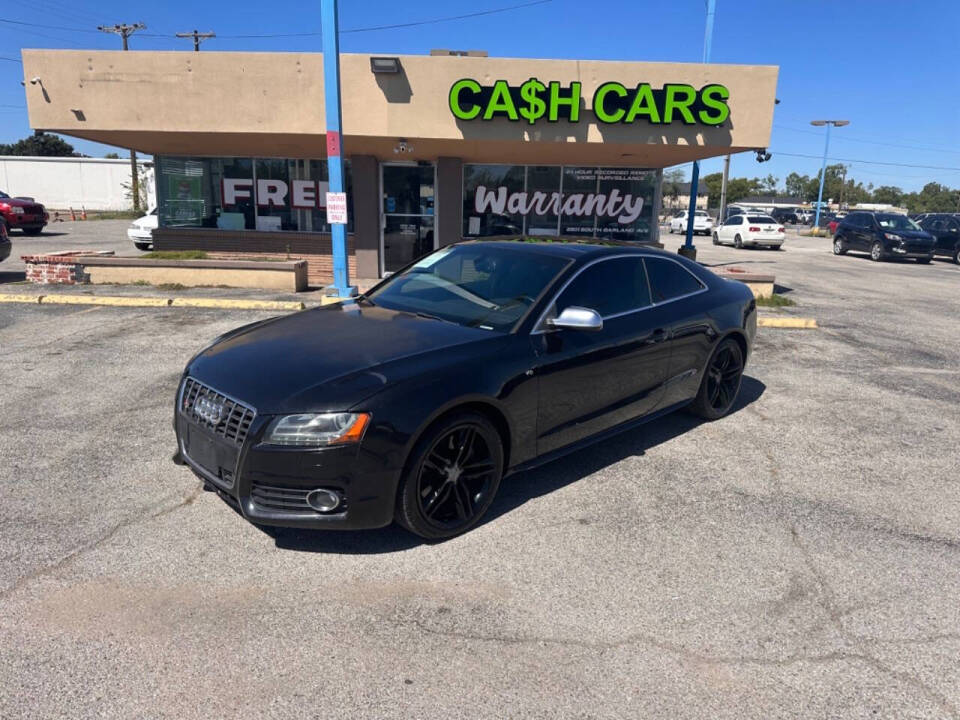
(823,173)
(331,93)
(688,250)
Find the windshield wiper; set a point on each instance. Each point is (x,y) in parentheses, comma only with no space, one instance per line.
(428,316)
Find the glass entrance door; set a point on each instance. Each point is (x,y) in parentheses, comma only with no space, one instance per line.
(407,209)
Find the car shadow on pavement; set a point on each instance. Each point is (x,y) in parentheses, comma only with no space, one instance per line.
(12,276)
(516,489)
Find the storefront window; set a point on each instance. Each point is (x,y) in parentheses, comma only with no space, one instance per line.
(513,200)
(246,193)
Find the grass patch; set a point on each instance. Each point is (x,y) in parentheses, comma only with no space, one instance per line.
(175,255)
(775,301)
(116,215)
(171,286)
(140,282)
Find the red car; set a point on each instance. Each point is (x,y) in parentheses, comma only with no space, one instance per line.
(23,214)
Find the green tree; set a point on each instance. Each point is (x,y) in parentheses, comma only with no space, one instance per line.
(712,183)
(672,180)
(739,188)
(111,156)
(39,144)
(888,194)
(797,185)
(768,185)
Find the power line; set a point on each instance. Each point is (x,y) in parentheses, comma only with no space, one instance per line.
(395,26)
(42,25)
(871,162)
(847,138)
(198,37)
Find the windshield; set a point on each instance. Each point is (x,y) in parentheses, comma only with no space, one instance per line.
(896,222)
(762,219)
(701,213)
(3,195)
(478,285)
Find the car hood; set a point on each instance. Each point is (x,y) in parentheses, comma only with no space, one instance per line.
(332,357)
(912,234)
(17,202)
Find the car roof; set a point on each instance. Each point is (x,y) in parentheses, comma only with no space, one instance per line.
(573,249)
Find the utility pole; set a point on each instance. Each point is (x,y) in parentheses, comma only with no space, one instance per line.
(198,37)
(125,31)
(723,188)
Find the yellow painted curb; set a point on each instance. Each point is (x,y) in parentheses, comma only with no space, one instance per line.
(330,300)
(788,322)
(105,300)
(4,297)
(237,304)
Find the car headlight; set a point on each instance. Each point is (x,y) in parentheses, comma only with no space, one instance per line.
(315,430)
(16,210)
(892,236)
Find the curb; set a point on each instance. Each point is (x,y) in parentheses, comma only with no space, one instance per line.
(122,301)
(788,322)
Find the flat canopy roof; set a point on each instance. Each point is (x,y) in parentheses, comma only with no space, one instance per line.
(272,105)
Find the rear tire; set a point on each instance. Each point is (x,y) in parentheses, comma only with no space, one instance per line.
(720,385)
(956,254)
(143,246)
(451,476)
(32,231)
(924,261)
(716,239)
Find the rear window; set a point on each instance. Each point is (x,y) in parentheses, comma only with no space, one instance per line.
(761,219)
(669,279)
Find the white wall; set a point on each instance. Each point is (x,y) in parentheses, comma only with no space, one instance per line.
(64,182)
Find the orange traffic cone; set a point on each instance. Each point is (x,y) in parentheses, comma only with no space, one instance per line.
(83,213)
(73,215)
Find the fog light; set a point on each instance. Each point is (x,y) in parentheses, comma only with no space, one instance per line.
(323,500)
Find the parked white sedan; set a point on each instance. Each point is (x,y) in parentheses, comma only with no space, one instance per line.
(141,230)
(702,223)
(750,231)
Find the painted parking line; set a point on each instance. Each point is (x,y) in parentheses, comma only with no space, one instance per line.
(793,323)
(125,301)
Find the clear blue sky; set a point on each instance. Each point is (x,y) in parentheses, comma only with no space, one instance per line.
(889,66)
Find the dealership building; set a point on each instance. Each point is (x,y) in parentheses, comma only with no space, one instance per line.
(438,148)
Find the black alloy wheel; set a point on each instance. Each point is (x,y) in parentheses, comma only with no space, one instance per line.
(876,252)
(452,478)
(738,243)
(721,381)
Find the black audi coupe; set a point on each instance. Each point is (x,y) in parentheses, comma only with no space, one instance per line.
(477,361)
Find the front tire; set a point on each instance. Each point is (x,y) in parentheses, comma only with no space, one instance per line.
(876,252)
(143,246)
(738,242)
(716,239)
(956,254)
(924,261)
(838,247)
(32,231)
(451,477)
(721,382)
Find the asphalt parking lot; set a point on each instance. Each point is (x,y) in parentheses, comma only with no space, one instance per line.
(797,559)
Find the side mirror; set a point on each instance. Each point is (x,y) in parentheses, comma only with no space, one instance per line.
(577,318)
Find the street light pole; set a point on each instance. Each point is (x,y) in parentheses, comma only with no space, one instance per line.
(331,93)
(823,167)
(687,249)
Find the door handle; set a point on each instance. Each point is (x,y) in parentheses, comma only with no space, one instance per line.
(658,336)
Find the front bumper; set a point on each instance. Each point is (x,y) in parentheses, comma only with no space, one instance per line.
(25,222)
(906,250)
(140,235)
(269,483)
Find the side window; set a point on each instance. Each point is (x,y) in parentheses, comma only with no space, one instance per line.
(668,279)
(610,286)
(951,226)
(735,220)
(933,224)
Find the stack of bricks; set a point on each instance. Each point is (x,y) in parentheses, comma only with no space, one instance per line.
(58,268)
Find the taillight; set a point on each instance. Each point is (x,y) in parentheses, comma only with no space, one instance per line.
(781,230)
(753,229)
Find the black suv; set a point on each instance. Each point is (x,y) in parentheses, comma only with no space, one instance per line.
(945,228)
(883,235)
(785,215)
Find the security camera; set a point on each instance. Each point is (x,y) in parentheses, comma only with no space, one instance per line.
(763,155)
(36,81)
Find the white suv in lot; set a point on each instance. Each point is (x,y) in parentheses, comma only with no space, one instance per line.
(141,230)
(702,223)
